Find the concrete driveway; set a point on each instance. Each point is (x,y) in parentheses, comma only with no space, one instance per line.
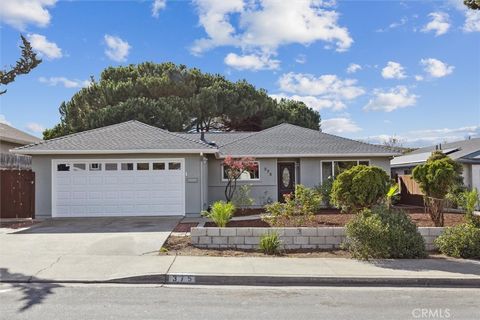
(91,236)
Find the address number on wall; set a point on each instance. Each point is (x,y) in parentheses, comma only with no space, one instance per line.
(181,279)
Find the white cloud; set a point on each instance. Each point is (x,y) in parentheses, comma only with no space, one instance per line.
(394,25)
(472,21)
(157,6)
(267,24)
(4,120)
(439,23)
(395,98)
(393,70)
(34,127)
(428,137)
(418,77)
(20,13)
(353,67)
(45,48)
(314,102)
(301,58)
(339,126)
(117,49)
(62,81)
(327,85)
(251,62)
(436,68)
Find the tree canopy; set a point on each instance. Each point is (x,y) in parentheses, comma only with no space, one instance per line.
(472,4)
(27,61)
(176,98)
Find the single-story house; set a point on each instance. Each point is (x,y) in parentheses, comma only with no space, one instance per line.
(134,169)
(10,138)
(465,152)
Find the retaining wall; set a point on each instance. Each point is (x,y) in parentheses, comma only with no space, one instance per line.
(292,238)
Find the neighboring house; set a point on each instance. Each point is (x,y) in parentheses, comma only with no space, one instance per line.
(133,169)
(466,152)
(12,138)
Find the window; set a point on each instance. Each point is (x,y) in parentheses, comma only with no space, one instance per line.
(143,166)
(174,166)
(111,166)
(127,166)
(158,166)
(334,168)
(79,167)
(95,167)
(253,174)
(63,167)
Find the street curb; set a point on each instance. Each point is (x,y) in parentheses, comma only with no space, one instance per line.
(298,281)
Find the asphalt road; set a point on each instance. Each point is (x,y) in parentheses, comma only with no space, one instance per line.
(61,301)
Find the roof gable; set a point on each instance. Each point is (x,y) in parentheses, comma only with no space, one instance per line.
(11,134)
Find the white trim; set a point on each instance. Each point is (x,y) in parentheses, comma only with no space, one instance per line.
(258,179)
(312,155)
(117,160)
(333,167)
(92,152)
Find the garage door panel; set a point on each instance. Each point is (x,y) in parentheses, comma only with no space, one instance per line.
(83,193)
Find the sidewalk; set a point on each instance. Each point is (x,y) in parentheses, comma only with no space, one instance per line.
(243,271)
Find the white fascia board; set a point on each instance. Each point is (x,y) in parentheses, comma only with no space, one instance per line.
(160,151)
(313,155)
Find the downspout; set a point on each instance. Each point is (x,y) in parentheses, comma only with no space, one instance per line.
(201,181)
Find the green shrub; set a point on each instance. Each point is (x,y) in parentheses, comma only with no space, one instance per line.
(469,203)
(241,198)
(383,233)
(325,191)
(360,187)
(221,213)
(462,241)
(270,243)
(297,209)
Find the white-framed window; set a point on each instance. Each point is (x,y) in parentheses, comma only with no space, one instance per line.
(128,166)
(79,167)
(248,175)
(143,166)
(332,168)
(95,167)
(63,167)
(111,166)
(174,166)
(158,166)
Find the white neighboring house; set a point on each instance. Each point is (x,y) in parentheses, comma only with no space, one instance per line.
(10,138)
(465,152)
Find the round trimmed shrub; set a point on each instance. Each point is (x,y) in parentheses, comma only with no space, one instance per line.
(462,241)
(383,233)
(360,187)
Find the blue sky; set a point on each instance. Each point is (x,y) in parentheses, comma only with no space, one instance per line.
(372,68)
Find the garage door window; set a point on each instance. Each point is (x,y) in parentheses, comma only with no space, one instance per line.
(111,166)
(79,167)
(143,166)
(63,167)
(158,166)
(174,166)
(127,166)
(95,167)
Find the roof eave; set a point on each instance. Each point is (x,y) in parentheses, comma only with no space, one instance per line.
(312,155)
(153,151)
(18,141)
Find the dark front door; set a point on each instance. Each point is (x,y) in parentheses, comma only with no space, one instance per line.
(286,179)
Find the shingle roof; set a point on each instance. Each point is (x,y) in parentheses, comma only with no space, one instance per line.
(127,137)
(465,150)
(11,134)
(290,140)
(219,138)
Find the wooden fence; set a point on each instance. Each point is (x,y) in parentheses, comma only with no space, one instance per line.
(410,192)
(17,194)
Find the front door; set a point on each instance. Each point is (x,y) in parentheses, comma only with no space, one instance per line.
(286,179)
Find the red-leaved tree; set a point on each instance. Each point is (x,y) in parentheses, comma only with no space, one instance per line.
(234,168)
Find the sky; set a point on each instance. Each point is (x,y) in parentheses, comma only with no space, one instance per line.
(373,69)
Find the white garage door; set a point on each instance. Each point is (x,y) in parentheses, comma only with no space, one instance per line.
(122,187)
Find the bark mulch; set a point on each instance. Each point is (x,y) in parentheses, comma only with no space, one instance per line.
(184,226)
(334,218)
(179,245)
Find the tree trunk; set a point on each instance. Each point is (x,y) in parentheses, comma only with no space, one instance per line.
(435,207)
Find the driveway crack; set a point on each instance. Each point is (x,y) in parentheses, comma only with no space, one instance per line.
(46,268)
